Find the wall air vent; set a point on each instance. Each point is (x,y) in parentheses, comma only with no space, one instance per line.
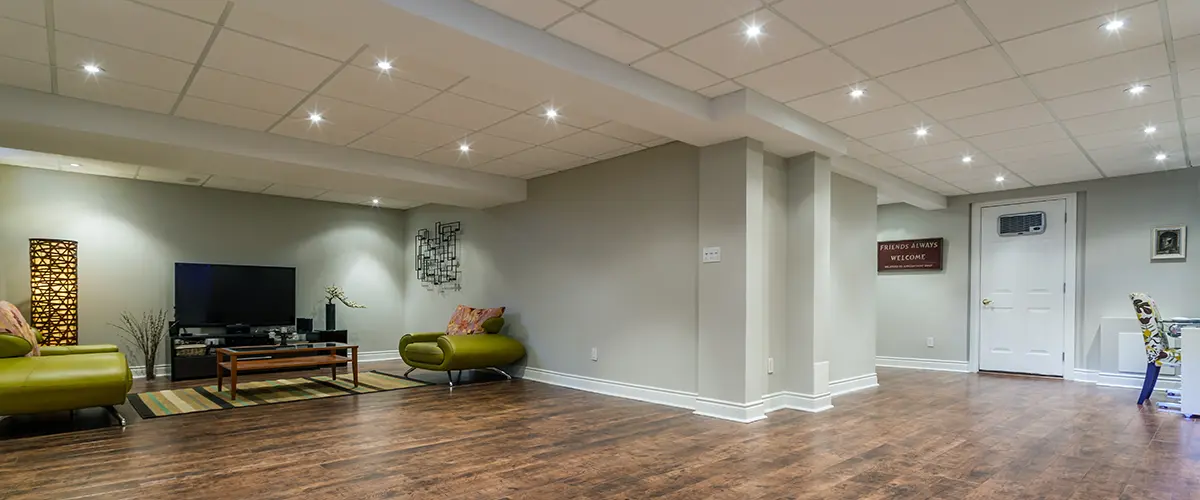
(1022,224)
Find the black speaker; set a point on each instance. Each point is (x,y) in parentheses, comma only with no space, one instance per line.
(304,325)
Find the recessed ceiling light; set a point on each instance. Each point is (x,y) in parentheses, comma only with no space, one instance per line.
(1137,89)
(551,113)
(92,68)
(922,131)
(1150,129)
(999,177)
(753,31)
(315,117)
(857,93)
(374,201)
(464,147)
(383,65)
(74,164)
(1160,156)
(1113,25)
(968,159)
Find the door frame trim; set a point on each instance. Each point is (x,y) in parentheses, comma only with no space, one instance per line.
(1071,254)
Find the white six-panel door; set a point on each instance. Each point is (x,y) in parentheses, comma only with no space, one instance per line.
(1022,285)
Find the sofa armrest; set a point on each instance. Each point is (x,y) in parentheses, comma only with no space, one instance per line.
(62,350)
(416,338)
(480,350)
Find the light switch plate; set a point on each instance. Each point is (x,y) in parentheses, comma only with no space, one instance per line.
(710,254)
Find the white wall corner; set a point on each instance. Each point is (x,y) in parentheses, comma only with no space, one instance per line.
(669,397)
(745,413)
(922,364)
(812,403)
(853,384)
(1085,375)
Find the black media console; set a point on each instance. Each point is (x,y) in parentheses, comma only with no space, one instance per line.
(201,361)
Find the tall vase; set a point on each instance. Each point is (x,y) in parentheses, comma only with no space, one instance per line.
(150,375)
(330,317)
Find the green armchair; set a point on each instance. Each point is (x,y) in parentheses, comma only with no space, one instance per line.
(437,351)
(62,378)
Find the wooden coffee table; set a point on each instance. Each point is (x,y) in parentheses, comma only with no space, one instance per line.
(265,358)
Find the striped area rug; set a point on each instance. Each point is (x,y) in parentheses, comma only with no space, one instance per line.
(207,398)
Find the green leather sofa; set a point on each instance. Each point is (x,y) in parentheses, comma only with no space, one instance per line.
(437,351)
(62,378)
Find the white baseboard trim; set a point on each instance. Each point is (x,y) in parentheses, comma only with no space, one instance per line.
(726,410)
(922,364)
(373,356)
(1085,375)
(797,401)
(1134,381)
(853,384)
(669,397)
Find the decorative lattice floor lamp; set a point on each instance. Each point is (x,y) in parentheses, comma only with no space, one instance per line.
(54,284)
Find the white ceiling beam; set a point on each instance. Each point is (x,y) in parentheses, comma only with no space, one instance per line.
(894,188)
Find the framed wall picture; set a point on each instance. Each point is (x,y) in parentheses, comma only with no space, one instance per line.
(1170,242)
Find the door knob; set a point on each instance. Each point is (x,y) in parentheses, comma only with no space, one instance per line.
(987,302)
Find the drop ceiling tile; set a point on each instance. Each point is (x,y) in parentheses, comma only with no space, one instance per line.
(1122,120)
(1019,137)
(26,11)
(224,114)
(547,158)
(1185,18)
(79,85)
(952,166)
(921,179)
(135,26)
(998,121)
(1187,53)
(726,51)
(408,68)
(1008,19)
(1026,153)
(924,154)
(208,11)
(171,176)
(839,20)
(803,76)
(601,38)
(720,89)
(1133,134)
(992,97)
(587,143)
(341,114)
(1191,107)
(621,152)
(952,74)
(123,64)
(664,140)
(508,168)
(536,13)
(495,147)
(884,161)
(249,20)
(1061,176)
(837,103)
(23,41)
(480,90)
(571,115)
(1139,158)
(294,191)
(461,112)
(382,144)
(1120,69)
(1083,41)
(983,179)
(267,61)
(626,133)
(236,184)
(452,157)
(668,22)
(423,131)
(1189,83)
(1110,99)
(1066,167)
(371,88)
(674,69)
(229,88)
(936,35)
(905,139)
(104,168)
(301,128)
(883,121)
(22,73)
(530,129)
(859,150)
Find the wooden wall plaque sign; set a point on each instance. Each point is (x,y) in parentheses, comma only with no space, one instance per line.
(906,255)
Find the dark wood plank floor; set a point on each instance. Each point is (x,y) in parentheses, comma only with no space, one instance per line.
(921,435)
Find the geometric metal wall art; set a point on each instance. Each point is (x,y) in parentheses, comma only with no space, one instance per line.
(437,256)
(54,283)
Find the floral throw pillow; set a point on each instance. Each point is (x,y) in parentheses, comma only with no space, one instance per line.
(13,323)
(469,320)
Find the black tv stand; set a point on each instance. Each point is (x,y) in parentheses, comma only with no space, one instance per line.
(205,365)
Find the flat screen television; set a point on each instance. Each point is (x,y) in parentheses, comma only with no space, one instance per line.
(220,295)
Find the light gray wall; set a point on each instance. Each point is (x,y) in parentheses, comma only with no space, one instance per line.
(853,260)
(131,233)
(599,256)
(1116,215)
(775,222)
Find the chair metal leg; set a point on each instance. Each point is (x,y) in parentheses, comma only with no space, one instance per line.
(497,370)
(112,410)
(459,377)
(450,376)
(410,370)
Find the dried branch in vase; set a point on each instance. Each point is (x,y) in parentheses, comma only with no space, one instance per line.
(334,292)
(145,335)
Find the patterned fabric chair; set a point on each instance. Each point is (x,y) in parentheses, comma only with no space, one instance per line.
(1155,334)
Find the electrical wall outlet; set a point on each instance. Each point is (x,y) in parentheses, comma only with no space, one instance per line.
(710,255)
(595,355)
(929,342)
(770,366)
